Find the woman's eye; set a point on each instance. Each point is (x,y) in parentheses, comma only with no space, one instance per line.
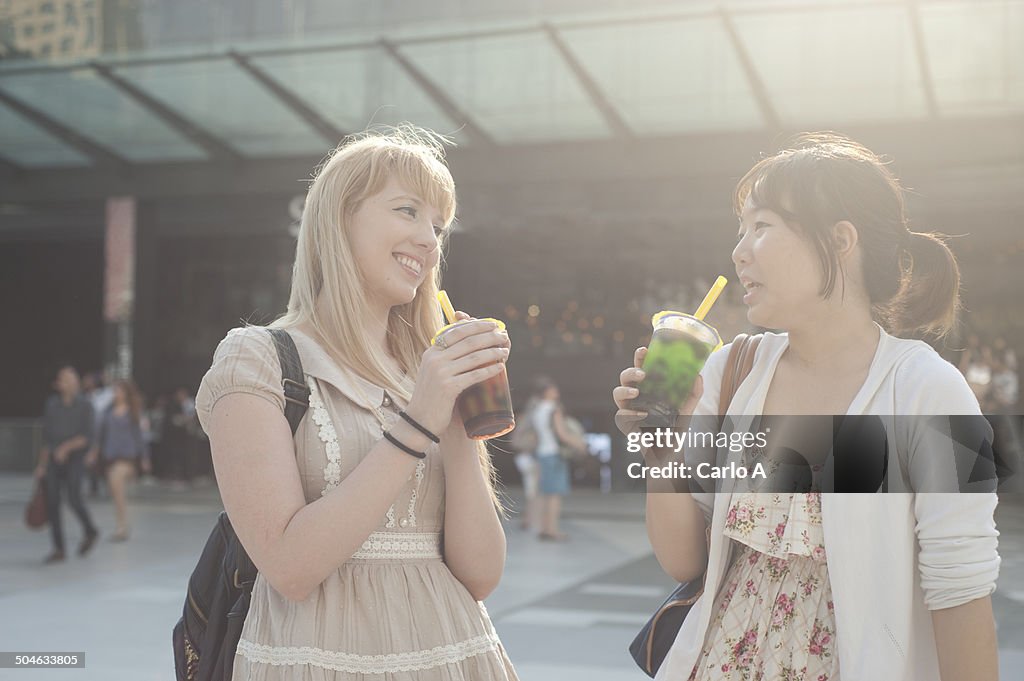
(410,211)
(760,225)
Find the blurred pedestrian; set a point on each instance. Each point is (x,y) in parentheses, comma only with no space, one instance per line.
(1001,409)
(179,437)
(524,443)
(100,396)
(67,436)
(548,419)
(123,446)
(976,366)
(156,414)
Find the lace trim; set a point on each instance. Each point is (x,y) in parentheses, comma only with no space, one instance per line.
(368,664)
(411,515)
(329,436)
(391,545)
(332,471)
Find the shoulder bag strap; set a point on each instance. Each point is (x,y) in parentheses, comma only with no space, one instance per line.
(293,380)
(737,368)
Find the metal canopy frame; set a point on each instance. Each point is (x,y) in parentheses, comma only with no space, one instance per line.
(611,116)
(438,96)
(219,150)
(327,130)
(99,155)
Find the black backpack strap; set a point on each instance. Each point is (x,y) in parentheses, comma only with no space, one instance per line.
(293,379)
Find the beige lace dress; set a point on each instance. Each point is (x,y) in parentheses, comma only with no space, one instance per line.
(773,617)
(394,611)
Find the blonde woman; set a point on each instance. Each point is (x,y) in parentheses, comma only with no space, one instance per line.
(375,544)
(823,587)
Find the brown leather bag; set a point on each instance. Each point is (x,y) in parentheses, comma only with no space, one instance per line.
(35,513)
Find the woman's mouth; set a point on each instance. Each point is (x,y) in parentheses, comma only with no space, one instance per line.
(752,288)
(412,266)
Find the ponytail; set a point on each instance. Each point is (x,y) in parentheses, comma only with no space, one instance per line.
(929,297)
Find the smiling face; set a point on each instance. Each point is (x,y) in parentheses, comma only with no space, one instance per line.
(395,238)
(778,268)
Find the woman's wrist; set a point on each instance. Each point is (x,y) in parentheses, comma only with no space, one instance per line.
(409,436)
(422,417)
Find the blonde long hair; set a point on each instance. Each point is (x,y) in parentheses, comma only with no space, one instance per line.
(328,291)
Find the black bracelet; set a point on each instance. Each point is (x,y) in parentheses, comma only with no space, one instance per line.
(408,450)
(415,424)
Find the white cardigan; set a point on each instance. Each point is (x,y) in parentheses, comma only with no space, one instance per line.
(891,557)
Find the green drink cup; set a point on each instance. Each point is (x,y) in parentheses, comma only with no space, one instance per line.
(680,346)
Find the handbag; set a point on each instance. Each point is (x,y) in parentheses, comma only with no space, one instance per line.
(651,645)
(524,439)
(220,587)
(36,516)
(575,449)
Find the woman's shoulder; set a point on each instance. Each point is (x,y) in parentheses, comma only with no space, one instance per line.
(924,381)
(244,361)
(245,340)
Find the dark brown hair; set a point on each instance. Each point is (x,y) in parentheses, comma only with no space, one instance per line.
(912,278)
(132,396)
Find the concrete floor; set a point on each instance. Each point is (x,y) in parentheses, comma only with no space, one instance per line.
(565,612)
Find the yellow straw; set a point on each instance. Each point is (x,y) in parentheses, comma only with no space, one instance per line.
(448,309)
(710,298)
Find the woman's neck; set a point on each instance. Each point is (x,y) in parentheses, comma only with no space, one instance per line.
(834,343)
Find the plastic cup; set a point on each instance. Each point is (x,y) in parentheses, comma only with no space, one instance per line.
(486,407)
(680,346)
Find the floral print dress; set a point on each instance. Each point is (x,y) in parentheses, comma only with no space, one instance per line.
(773,617)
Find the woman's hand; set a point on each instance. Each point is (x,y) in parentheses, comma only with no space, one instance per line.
(474,353)
(628,420)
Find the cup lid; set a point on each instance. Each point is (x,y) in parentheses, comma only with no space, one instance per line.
(501,326)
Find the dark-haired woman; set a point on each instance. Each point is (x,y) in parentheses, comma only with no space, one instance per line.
(124,448)
(821,587)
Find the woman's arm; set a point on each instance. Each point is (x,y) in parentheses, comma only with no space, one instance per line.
(474,541)
(295,545)
(965,637)
(675,523)
(676,529)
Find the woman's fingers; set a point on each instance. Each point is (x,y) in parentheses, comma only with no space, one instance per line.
(638,356)
(463,331)
(475,360)
(463,381)
(492,338)
(624,395)
(628,420)
(631,377)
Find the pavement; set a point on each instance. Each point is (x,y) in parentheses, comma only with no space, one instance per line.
(565,612)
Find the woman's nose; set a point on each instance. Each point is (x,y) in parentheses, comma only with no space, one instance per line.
(740,254)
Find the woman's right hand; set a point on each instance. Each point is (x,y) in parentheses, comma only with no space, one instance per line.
(474,353)
(627,419)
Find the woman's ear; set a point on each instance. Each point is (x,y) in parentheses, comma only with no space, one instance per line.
(846,238)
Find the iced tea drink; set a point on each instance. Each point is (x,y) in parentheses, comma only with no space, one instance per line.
(679,348)
(486,407)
